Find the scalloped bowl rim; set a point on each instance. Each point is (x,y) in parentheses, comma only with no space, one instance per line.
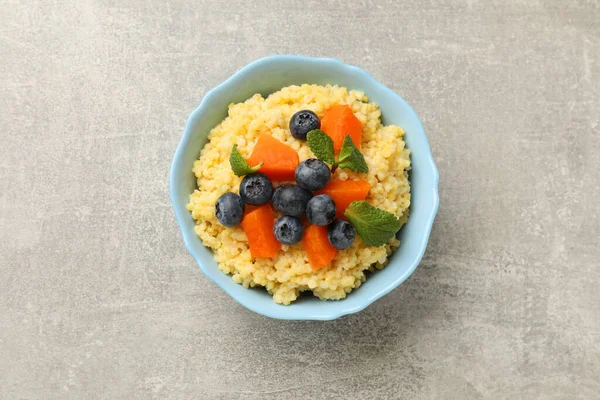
(181,211)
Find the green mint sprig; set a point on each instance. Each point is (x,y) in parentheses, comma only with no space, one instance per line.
(322,147)
(239,166)
(351,158)
(376,227)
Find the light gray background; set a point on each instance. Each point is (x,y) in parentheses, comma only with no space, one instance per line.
(99,298)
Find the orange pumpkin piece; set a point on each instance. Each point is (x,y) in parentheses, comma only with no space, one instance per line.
(345,192)
(279,160)
(318,249)
(258,225)
(340,121)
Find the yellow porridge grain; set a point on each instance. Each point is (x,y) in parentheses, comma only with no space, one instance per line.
(290,273)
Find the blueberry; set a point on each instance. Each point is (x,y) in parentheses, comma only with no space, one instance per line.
(398,234)
(256,189)
(291,199)
(312,174)
(229,209)
(303,122)
(340,234)
(288,230)
(321,210)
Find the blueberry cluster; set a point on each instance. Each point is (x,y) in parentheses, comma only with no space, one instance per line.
(291,200)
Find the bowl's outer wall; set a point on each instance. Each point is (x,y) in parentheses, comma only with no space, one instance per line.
(266,76)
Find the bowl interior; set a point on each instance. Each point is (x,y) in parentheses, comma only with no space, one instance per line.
(265,77)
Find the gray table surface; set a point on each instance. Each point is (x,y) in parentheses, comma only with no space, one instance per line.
(99,298)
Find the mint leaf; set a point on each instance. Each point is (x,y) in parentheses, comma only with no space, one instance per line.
(321,145)
(376,227)
(239,166)
(351,158)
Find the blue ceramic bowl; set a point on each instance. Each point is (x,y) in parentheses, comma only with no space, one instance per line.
(266,76)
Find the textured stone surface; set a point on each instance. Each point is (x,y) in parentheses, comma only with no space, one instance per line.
(99,299)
